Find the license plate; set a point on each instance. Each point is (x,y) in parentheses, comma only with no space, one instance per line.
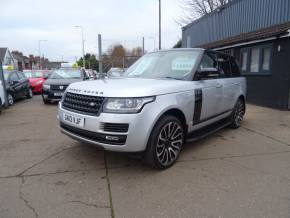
(73,120)
(58,94)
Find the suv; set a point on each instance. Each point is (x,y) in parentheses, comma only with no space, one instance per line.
(166,98)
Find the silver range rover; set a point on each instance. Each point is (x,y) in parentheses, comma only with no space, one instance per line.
(165,99)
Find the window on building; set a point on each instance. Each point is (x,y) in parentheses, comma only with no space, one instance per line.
(256,60)
(255,57)
(266,59)
(244,60)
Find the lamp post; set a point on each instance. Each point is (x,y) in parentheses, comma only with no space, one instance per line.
(159,24)
(83,45)
(39,51)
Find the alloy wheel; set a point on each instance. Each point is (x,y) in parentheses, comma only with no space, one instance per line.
(169,143)
(10,99)
(239,113)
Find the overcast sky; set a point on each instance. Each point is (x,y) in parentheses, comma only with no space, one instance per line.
(24,22)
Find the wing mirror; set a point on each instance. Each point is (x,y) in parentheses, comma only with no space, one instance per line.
(14,82)
(45,76)
(207,73)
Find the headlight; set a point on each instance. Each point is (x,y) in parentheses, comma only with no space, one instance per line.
(38,82)
(126,105)
(46,87)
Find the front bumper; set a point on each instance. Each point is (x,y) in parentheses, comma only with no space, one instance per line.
(52,94)
(36,88)
(134,140)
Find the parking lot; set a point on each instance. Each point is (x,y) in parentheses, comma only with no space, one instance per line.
(233,173)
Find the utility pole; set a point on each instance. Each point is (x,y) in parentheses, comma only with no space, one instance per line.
(83,45)
(159,24)
(143,45)
(100,53)
(39,52)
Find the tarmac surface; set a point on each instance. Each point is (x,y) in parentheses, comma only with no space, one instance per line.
(233,173)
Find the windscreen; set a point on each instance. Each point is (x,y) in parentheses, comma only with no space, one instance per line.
(169,64)
(6,74)
(33,74)
(66,74)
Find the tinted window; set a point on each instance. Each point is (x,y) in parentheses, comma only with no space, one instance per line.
(14,77)
(235,68)
(207,62)
(207,68)
(224,66)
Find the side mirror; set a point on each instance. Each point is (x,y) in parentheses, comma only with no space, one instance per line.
(207,73)
(45,76)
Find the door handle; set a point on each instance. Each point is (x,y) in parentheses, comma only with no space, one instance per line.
(218,85)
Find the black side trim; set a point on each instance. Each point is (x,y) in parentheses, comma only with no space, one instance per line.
(214,116)
(207,130)
(197,106)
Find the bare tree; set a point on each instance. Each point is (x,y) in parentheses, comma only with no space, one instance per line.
(194,9)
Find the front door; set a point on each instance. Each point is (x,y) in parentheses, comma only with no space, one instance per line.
(16,85)
(210,95)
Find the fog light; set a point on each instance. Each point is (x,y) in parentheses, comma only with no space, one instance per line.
(112,138)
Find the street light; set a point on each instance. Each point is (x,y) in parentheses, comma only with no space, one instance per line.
(159,24)
(39,41)
(83,44)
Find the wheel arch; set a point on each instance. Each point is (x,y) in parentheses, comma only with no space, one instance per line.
(179,114)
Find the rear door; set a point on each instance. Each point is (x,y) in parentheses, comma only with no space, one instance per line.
(210,94)
(229,72)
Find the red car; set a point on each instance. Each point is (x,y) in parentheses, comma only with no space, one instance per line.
(36,79)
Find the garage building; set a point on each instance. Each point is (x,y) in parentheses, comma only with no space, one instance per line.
(257,34)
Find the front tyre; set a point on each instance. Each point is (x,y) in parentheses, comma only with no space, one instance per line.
(10,99)
(238,114)
(165,142)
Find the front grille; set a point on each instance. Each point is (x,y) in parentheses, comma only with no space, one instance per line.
(58,87)
(94,136)
(115,127)
(84,104)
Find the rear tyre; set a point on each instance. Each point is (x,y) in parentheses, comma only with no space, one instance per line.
(29,93)
(238,114)
(165,143)
(10,99)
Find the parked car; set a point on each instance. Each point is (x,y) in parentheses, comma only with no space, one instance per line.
(17,86)
(2,97)
(36,79)
(167,98)
(54,87)
(116,72)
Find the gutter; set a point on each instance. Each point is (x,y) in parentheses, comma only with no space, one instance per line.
(253,42)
